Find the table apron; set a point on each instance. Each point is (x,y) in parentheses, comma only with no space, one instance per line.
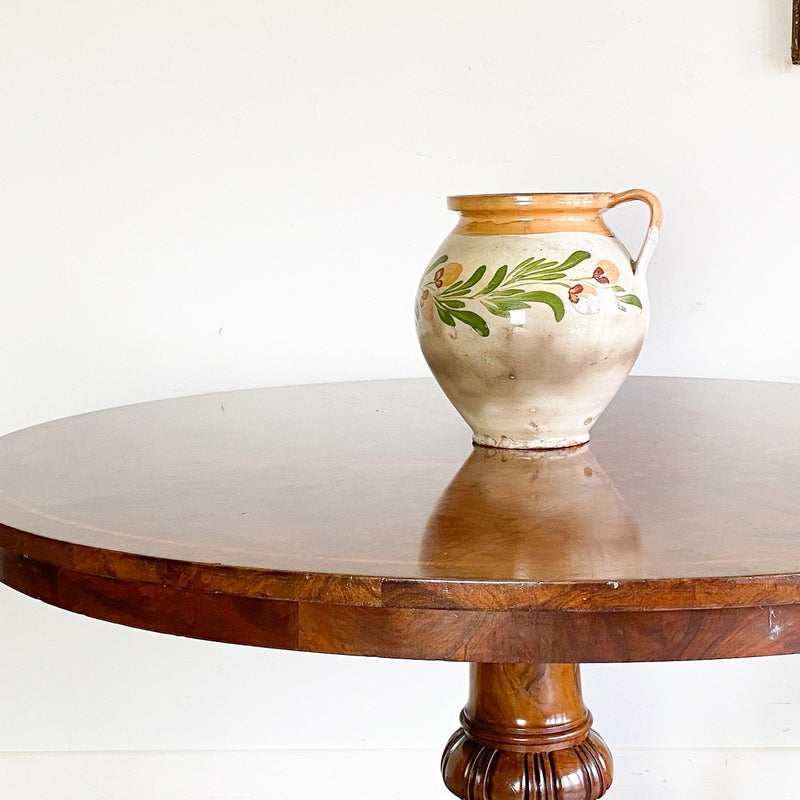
(450,635)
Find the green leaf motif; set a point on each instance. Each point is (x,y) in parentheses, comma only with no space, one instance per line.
(475,321)
(496,280)
(530,262)
(574,260)
(474,278)
(445,317)
(550,277)
(511,304)
(530,266)
(630,299)
(496,310)
(549,299)
(538,268)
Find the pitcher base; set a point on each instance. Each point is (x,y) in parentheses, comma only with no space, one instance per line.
(507,443)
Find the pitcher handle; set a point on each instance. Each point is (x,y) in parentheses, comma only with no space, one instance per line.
(656,217)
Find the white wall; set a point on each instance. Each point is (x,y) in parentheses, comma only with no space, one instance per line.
(206,195)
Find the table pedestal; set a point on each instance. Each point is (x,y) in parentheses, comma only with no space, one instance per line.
(526,735)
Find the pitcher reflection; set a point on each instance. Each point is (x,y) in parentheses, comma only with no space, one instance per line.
(530,515)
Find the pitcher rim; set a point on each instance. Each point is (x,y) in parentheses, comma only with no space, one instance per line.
(516,201)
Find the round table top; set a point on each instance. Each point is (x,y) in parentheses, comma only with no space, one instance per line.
(358,518)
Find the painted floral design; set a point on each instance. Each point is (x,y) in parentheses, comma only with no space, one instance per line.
(584,298)
(445,294)
(606,272)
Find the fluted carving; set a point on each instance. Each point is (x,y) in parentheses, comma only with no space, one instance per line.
(526,735)
(477,772)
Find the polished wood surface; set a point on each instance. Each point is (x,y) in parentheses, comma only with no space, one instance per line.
(358,518)
(525,733)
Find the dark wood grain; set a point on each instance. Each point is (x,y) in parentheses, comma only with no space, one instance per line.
(477,636)
(526,733)
(357,518)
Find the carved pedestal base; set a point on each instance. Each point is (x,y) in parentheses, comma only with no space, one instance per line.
(526,735)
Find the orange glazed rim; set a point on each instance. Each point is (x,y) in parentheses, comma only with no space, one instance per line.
(529,201)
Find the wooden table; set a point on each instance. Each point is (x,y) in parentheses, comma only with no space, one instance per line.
(357,518)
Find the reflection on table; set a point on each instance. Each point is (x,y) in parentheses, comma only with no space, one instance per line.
(552,512)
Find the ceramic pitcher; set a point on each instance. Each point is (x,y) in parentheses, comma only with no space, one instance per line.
(532,313)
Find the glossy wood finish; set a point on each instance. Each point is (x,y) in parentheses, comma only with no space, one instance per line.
(357,518)
(525,732)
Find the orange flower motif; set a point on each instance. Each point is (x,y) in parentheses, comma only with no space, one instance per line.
(447,274)
(606,272)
